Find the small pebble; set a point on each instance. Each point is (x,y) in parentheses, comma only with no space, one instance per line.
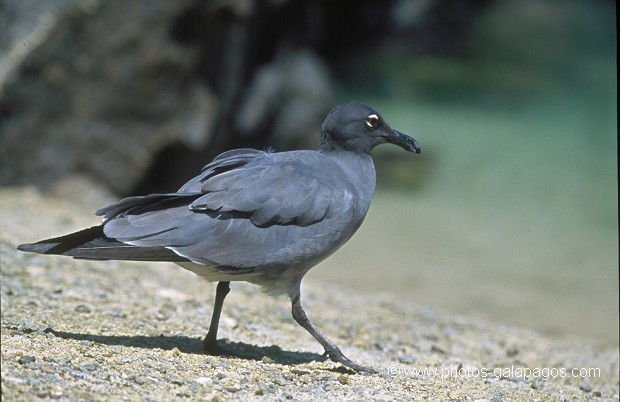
(512,351)
(585,387)
(28,327)
(175,380)
(281,380)
(89,367)
(437,349)
(26,359)
(81,308)
(407,359)
(204,380)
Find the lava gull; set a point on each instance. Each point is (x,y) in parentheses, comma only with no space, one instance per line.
(256,216)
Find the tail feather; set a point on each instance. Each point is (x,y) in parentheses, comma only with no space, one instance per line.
(62,244)
(92,244)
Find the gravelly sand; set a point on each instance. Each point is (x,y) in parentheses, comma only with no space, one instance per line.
(77,330)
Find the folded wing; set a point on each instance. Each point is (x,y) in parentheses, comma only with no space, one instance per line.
(245,209)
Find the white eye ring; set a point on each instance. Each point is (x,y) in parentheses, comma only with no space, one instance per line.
(372,121)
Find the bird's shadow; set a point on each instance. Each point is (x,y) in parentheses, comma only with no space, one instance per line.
(189,345)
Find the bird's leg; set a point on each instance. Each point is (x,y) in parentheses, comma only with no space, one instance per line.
(209,344)
(331,349)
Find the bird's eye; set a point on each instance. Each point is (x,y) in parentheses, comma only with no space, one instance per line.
(372,121)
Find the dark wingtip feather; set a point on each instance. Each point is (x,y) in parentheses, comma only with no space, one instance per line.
(92,244)
(40,248)
(62,244)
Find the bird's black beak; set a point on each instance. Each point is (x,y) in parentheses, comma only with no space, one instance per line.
(403,141)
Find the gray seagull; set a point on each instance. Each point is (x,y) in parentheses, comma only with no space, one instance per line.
(262,217)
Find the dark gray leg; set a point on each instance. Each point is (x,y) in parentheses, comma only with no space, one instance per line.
(331,349)
(209,344)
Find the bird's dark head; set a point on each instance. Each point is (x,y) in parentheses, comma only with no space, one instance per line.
(359,128)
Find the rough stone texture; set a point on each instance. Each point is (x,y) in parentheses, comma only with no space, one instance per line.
(23,25)
(289,97)
(99,91)
(117,90)
(113,330)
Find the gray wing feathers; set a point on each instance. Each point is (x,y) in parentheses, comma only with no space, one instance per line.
(140,204)
(245,207)
(274,195)
(222,163)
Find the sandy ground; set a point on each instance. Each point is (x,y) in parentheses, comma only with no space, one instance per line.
(131,331)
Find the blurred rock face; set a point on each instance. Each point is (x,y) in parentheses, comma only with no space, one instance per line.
(108,87)
(288,96)
(102,91)
(140,95)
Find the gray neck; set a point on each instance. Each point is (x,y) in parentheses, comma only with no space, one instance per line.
(328,144)
(360,171)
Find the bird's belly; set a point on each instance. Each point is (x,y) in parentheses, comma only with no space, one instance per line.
(278,269)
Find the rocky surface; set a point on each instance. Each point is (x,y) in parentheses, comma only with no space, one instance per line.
(116,90)
(96,94)
(136,95)
(114,330)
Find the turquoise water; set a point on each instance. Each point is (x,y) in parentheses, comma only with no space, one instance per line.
(511,210)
